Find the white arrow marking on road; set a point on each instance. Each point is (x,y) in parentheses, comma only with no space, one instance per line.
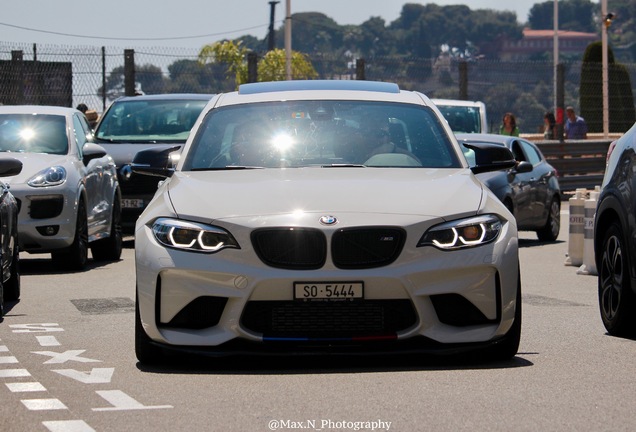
(65,356)
(122,402)
(95,376)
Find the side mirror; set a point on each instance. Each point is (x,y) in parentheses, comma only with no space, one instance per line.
(491,157)
(10,167)
(92,151)
(523,167)
(157,161)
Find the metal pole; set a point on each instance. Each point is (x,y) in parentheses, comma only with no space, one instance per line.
(288,47)
(555,43)
(270,36)
(605,72)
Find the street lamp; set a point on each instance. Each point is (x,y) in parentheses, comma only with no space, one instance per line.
(270,35)
(288,49)
(555,47)
(607,21)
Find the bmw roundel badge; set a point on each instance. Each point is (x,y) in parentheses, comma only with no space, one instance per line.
(328,220)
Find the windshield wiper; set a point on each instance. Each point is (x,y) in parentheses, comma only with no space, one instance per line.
(344,165)
(228,168)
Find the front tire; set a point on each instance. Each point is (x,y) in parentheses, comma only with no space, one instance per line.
(1,300)
(109,249)
(617,301)
(76,256)
(508,346)
(12,285)
(146,352)
(550,232)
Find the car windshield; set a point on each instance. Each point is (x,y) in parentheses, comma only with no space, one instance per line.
(144,120)
(461,119)
(29,133)
(289,134)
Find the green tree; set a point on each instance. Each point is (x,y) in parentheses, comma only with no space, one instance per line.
(462,29)
(574,15)
(620,96)
(190,76)
(271,67)
(314,32)
(148,78)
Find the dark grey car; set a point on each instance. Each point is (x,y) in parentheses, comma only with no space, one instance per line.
(615,239)
(135,123)
(9,252)
(530,190)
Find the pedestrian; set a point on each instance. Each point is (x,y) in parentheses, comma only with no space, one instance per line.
(91,115)
(575,126)
(509,125)
(549,126)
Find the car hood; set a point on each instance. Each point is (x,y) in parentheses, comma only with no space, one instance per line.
(261,192)
(123,153)
(33,163)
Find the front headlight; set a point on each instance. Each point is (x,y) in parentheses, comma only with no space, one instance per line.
(192,236)
(52,176)
(463,233)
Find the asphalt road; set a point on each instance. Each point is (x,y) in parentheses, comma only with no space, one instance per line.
(67,364)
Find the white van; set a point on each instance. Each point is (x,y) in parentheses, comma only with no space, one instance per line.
(463,116)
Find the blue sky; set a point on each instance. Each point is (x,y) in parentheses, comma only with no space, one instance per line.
(187,23)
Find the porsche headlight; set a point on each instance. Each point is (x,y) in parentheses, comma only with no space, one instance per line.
(463,233)
(52,176)
(192,236)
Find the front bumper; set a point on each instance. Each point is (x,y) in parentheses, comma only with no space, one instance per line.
(47,219)
(231,303)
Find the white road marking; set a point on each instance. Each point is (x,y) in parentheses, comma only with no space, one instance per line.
(95,376)
(8,359)
(65,356)
(19,387)
(36,328)
(47,341)
(122,402)
(68,426)
(12,373)
(43,404)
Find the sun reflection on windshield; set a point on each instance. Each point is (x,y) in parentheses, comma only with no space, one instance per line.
(27,134)
(282,142)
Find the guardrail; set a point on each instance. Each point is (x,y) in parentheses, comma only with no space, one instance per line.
(580,163)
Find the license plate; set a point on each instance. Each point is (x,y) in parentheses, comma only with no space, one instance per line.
(330,291)
(132,203)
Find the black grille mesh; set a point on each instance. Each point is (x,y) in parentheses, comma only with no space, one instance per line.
(291,248)
(328,319)
(359,248)
(305,249)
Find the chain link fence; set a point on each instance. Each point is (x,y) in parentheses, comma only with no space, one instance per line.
(69,75)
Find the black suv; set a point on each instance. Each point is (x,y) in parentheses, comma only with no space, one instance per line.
(135,123)
(615,238)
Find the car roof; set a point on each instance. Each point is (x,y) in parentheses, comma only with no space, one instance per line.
(36,109)
(321,90)
(457,102)
(273,86)
(489,138)
(168,96)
